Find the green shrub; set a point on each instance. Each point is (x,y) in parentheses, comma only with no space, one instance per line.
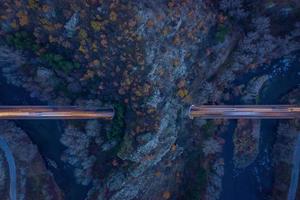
(118,123)
(24,41)
(125,146)
(197,178)
(208,129)
(221,33)
(199,185)
(57,61)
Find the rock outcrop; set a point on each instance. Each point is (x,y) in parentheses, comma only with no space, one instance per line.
(154,58)
(246,142)
(34,181)
(253,88)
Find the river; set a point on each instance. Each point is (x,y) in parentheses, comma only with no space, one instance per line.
(251,183)
(255,181)
(45,134)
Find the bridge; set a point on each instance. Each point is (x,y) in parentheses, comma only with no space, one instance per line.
(245,111)
(202,111)
(55,112)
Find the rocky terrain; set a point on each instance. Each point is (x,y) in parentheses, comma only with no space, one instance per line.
(34,181)
(285,150)
(149,60)
(253,89)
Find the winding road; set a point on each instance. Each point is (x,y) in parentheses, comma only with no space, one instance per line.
(295,172)
(12,169)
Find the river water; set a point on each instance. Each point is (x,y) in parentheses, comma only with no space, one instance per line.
(45,134)
(251,183)
(255,181)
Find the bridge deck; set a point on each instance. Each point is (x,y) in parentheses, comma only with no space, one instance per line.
(245,111)
(54,112)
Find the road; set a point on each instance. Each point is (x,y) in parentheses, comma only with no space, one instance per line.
(12,169)
(54,112)
(245,111)
(295,172)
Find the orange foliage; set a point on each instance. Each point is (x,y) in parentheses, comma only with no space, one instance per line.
(166,195)
(23,18)
(150,23)
(158,174)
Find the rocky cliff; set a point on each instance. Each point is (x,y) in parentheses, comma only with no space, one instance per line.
(34,181)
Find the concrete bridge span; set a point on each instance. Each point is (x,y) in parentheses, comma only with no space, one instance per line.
(245,111)
(55,112)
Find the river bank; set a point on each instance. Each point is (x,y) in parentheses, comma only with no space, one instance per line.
(26,167)
(46,135)
(259,175)
(151,60)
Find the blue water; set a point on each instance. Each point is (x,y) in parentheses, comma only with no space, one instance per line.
(255,181)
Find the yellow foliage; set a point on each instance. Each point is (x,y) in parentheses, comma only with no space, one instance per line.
(150,110)
(33,4)
(94,46)
(96,25)
(127,81)
(82,34)
(113,16)
(14,24)
(82,49)
(182,93)
(138,93)
(23,18)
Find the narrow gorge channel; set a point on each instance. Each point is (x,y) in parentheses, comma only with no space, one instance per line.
(256,180)
(46,135)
